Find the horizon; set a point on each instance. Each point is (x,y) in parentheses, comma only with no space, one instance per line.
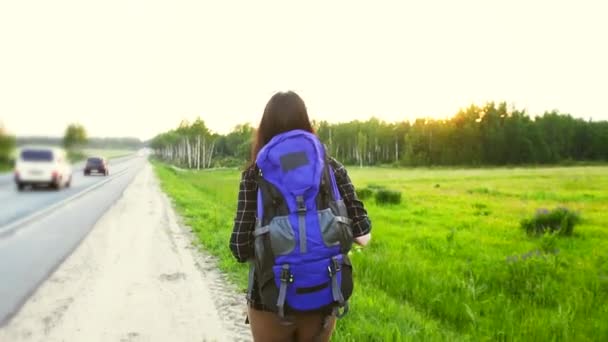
(158,64)
(410,121)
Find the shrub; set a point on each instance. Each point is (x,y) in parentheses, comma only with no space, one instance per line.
(75,155)
(364,193)
(481,209)
(548,243)
(388,197)
(560,221)
(228,162)
(483,191)
(376,187)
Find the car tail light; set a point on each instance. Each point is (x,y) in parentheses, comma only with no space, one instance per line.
(16,173)
(55,174)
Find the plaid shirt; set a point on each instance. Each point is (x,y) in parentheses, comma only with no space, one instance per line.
(241,241)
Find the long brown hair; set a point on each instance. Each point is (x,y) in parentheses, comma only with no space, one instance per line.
(285,111)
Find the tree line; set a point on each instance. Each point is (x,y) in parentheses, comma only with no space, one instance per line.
(75,138)
(193,145)
(492,134)
(125,143)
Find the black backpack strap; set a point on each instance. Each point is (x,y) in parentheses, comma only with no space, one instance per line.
(286,279)
(251,281)
(344,307)
(273,202)
(336,291)
(325,189)
(327,180)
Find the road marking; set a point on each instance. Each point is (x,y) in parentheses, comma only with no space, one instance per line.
(12,227)
(7,179)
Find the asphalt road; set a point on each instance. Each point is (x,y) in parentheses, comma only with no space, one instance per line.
(6,178)
(31,250)
(15,205)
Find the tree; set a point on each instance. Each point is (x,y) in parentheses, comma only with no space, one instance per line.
(7,144)
(361,147)
(75,136)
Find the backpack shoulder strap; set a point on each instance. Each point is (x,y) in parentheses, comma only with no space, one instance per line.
(331,177)
(270,202)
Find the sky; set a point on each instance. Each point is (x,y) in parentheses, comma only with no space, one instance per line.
(138,68)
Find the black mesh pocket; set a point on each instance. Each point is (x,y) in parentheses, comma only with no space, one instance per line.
(347,285)
(281,236)
(336,230)
(269,293)
(346,233)
(264,260)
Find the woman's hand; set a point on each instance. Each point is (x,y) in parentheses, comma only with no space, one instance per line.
(363,239)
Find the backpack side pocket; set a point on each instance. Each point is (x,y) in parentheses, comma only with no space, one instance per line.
(335,230)
(264,261)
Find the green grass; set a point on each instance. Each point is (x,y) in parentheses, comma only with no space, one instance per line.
(76,156)
(451,262)
(109,154)
(5,167)
(8,166)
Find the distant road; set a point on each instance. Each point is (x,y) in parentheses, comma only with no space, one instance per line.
(17,204)
(7,177)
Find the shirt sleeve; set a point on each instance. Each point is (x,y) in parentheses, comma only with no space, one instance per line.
(241,240)
(356,210)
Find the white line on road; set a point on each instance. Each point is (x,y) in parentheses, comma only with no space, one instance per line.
(12,227)
(7,179)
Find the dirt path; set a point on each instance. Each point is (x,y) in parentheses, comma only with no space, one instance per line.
(136,277)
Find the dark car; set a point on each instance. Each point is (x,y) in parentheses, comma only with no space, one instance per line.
(96,165)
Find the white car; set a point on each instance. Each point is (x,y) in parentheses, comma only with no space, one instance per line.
(42,166)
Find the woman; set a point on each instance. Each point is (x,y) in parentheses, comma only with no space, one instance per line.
(286,113)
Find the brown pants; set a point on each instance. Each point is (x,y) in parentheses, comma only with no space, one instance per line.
(303,327)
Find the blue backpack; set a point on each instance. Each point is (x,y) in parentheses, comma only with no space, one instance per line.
(303,233)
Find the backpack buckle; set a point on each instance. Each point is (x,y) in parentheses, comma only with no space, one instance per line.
(301,205)
(334,267)
(286,276)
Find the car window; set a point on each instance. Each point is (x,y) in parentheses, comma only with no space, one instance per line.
(37,155)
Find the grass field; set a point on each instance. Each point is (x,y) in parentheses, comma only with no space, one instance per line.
(109,154)
(451,263)
(77,156)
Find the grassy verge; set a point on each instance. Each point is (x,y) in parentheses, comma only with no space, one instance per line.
(205,205)
(108,154)
(76,156)
(451,262)
(6,166)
